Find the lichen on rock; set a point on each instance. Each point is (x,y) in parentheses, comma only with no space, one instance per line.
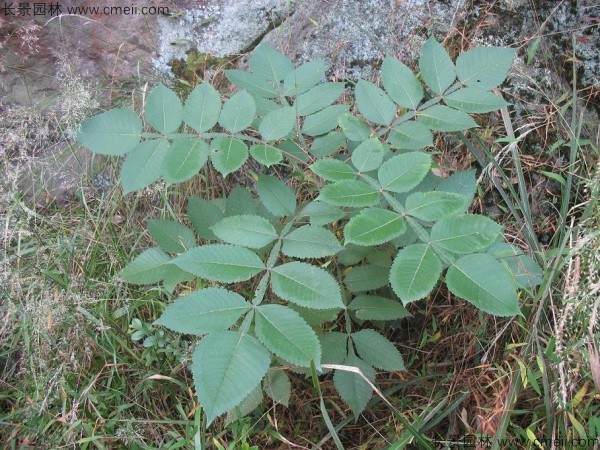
(353,36)
(220,28)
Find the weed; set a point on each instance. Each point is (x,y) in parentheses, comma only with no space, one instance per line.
(382,187)
(70,375)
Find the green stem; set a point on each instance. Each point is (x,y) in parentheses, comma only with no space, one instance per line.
(261,289)
(326,418)
(574,143)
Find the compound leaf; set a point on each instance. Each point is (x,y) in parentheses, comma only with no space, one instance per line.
(240,201)
(318,98)
(473,100)
(184,160)
(323,121)
(483,281)
(484,67)
(304,77)
(353,389)
(264,106)
(247,230)
(221,262)
(380,257)
(306,285)
(202,107)
(407,238)
(143,165)
(146,268)
(315,317)
(269,63)
(252,401)
(374,226)
(321,213)
(374,307)
(374,104)
(334,346)
(403,172)
(366,278)
(204,311)
(354,128)
(353,254)
(286,334)
(463,183)
(238,112)
(443,118)
(435,205)
(278,198)
(411,135)
(401,83)
(173,276)
(437,68)
(327,145)
(526,272)
(377,351)
(277,386)
(310,241)
(277,124)
(227,366)
(251,82)
(203,214)
(113,132)
(465,234)
(415,272)
(293,152)
(368,155)
(228,155)
(333,170)
(171,236)
(163,109)
(266,154)
(351,193)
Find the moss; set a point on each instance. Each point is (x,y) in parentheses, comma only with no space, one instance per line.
(190,71)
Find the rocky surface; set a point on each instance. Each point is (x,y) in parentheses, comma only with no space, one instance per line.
(565,30)
(353,36)
(37,50)
(219,28)
(584,41)
(51,69)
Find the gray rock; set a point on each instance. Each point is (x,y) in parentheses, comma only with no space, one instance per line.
(219,28)
(353,35)
(580,22)
(513,5)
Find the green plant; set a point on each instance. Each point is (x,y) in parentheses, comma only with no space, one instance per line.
(273,268)
(156,342)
